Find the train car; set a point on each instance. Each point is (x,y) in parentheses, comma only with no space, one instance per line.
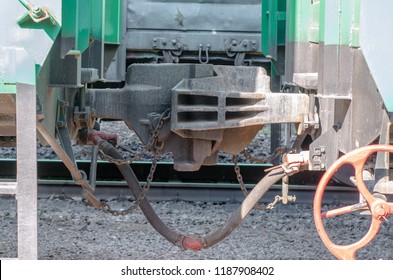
(194,78)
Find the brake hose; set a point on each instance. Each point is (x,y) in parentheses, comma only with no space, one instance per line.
(178,239)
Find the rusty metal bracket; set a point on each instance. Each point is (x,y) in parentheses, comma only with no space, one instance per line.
(35,13)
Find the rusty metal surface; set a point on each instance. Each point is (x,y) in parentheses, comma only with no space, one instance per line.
(380,209)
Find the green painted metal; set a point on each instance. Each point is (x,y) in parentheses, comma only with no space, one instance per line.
(273,26)
(40,19)
(299,20)
(69,16)
(87,20)
(76,22)
(355,27)
(8,88)
(333,22)
(313,36)
(113,21)
(97,19)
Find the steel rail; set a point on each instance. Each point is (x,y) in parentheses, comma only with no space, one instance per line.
(211,183)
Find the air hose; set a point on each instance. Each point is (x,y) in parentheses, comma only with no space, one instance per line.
(178,239)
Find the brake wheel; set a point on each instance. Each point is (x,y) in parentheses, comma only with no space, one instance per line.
(379,208)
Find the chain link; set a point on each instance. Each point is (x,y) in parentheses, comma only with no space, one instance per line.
(276,153)
(152,146)
(106,208)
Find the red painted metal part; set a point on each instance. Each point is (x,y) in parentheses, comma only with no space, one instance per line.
(190,243)
(96,137)
(379,208)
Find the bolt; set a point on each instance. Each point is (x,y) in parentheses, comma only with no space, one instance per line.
(380,211)
(164,42)
(174,42)
(60,124)
(234,43)
(37,12)
(323,150)
(155,39)
(245,43)
(323,166)
(178,46)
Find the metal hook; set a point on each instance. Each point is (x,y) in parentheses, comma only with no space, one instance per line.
(206,54)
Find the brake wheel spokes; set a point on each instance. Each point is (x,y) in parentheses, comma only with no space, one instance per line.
(379,208)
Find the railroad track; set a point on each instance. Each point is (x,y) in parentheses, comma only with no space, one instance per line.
(210,183)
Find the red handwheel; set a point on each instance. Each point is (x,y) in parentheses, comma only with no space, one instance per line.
(378,207)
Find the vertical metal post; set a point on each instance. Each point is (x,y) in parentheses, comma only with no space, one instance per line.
(26,176)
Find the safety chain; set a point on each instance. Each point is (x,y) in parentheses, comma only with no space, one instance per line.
(152,146)
(107,209)
(276,153)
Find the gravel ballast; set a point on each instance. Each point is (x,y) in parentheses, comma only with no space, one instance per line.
(68,229)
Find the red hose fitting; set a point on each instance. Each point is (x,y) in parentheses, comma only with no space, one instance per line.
(190,243)
(96,137)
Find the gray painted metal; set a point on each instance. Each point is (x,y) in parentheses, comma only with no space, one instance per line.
(210,106)
(154,25)
(26,171)
(236,97)
(382,162)
(377,44)
(147,90)
(349,105)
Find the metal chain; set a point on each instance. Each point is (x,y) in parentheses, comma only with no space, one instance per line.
(242,185)
(276,153)
(106,208)
(152,146)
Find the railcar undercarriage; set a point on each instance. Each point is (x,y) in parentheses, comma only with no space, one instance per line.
(153,73)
